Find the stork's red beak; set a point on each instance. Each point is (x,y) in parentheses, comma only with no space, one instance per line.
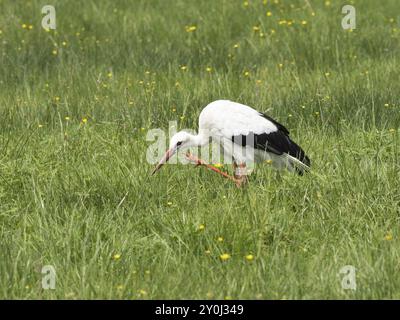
(164,159)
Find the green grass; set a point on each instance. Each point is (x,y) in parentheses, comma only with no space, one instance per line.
(74,194)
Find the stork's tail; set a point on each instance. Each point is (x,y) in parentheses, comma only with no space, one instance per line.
(300,166)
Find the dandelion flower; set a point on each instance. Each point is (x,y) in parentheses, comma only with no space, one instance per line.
(190,28)
(269,14)
(116,256)
(64,44)
(256,28)
(67,118)
(142,292)
(224,256)
(228,298)
(54,52)
(57,99)
(392,130)
(280,65)
(109,75)
(209,69)
(220,239)
(40,125)
(84,120)
(218,165)
(207,251)
(24,26)
(327,74)
(389,237)
(236,45)
(246,74)
(386,104)
(249,257)
(30,27)
(303,22)
(201,227)
(169,203)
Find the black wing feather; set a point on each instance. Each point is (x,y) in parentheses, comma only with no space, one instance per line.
(277,142)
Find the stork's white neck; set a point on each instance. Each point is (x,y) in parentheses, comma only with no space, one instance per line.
(198,140)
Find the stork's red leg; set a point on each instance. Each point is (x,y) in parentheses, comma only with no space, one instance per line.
(240,174)
(200,162)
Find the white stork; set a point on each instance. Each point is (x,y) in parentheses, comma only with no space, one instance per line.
(246,135)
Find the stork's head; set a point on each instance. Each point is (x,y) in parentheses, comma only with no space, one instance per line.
(180,140)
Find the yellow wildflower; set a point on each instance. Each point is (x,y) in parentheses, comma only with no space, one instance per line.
(249,257)
(224,256)
(190,28)
(116,256)
(389,237)
(201,227)
(142,292)
(269,14)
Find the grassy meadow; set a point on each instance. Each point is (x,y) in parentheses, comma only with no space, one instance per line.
(76,193)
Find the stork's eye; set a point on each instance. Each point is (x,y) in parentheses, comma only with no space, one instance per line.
(179,143)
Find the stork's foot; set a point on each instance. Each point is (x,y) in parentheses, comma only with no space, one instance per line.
(241,181)
(200,162)
(240,174)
